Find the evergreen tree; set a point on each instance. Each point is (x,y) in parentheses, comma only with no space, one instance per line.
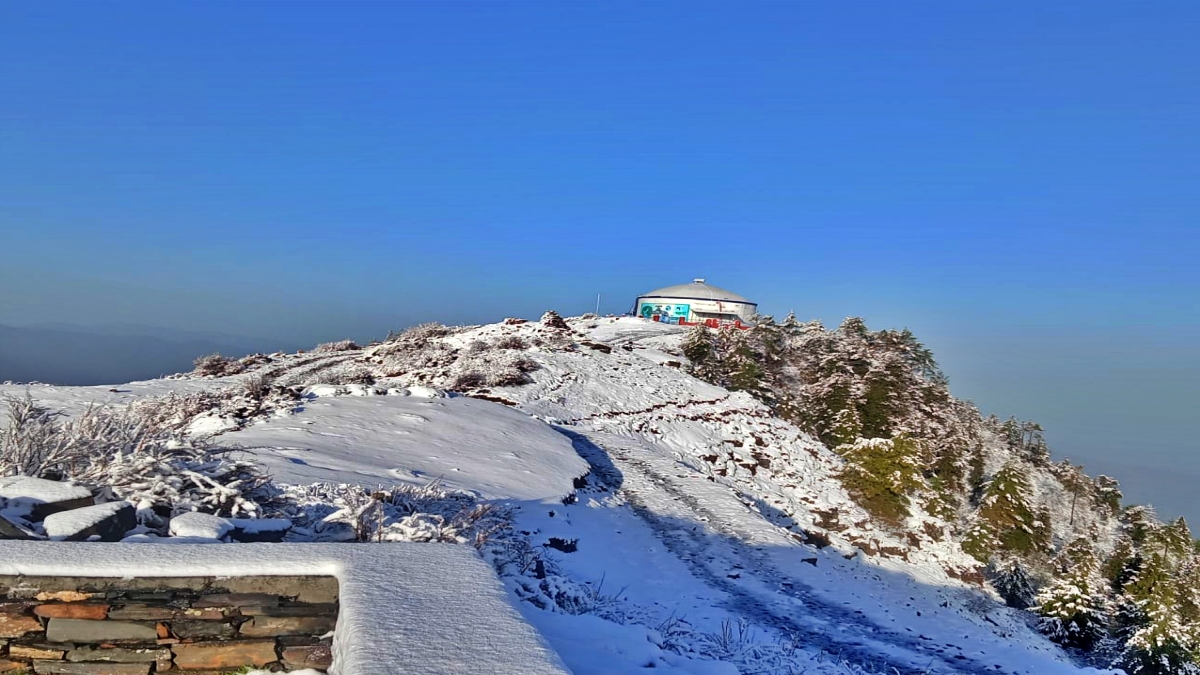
(881,474)
(1074,608)
(697,345)
(1012,581)
(1007,508)
(790,323)
(1159,641)
(743,371)
(1108,495)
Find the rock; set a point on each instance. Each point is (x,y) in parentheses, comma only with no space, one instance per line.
(202,629)
(236,600)
(43,497)
(64,596)
(203,525)
(319,657)
(35,652)
(272,626)
(73,610)
(141,612)
(7,666)
(290,610)
(69,668)
(314,589)
(551,319)
(108,521)
(18,625)
(255,530)
(15,608)
(120,654)
(82,630)
(218,655)
(11,530)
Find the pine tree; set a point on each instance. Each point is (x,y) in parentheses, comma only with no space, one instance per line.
(1074,608)
(1012,581)
(742,369)
(790,323)
(1007,507)
(697,345)
(1159,641)
(881,474)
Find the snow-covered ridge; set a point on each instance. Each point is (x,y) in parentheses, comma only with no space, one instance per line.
(735,544)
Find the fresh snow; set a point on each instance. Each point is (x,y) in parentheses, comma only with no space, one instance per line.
(27,491)
(467,444)
(694,571)
(430,608)
(67,523)
(200,525)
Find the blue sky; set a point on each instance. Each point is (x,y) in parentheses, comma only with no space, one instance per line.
(1015,182)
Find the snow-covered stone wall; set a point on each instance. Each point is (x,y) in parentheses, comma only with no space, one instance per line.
(134,626)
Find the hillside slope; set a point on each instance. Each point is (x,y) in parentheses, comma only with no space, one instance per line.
(659,522)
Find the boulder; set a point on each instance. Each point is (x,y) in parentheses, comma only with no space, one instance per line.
(203,525)
(108,522)
(40,497)
(13,530)
(255,530)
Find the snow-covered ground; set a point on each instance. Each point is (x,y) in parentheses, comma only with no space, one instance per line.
(689,532)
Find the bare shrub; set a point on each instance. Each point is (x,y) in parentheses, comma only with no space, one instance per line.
(510,342)
(173,412)
(499,370)
(341,512)
(468,380)
(215,365)
(402,358)
(425,331)
(257,386)
(339,346)
(134,453)
(478,347)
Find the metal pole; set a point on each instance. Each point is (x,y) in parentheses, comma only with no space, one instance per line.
(597,304)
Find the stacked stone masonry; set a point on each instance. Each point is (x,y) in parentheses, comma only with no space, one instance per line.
(185,625)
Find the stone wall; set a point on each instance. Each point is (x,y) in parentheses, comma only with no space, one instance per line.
(197,625)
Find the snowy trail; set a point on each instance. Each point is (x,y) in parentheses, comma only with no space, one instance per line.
(719,551)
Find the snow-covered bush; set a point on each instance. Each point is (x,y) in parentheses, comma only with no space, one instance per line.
(215,365)
(424,331)
(496,370)
(510,342)
(428,513)
(257,386)
(135,453)
(338,346)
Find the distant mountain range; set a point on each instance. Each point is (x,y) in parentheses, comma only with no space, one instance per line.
(82,355)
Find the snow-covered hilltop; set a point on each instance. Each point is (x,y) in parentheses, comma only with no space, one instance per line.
(645,518)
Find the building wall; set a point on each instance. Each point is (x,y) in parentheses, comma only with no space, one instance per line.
(691,310)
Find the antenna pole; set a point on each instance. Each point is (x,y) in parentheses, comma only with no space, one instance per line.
(597,304)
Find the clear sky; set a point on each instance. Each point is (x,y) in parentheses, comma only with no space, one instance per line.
(1017,182)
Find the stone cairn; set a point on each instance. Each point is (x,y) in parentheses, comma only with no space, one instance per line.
(185,625)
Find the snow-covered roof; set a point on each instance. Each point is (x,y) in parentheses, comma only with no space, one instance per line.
(697,290)
(405,607)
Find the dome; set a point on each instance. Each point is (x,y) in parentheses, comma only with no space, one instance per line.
(697,290)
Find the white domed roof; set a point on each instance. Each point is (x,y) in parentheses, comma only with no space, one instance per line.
(697,290)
